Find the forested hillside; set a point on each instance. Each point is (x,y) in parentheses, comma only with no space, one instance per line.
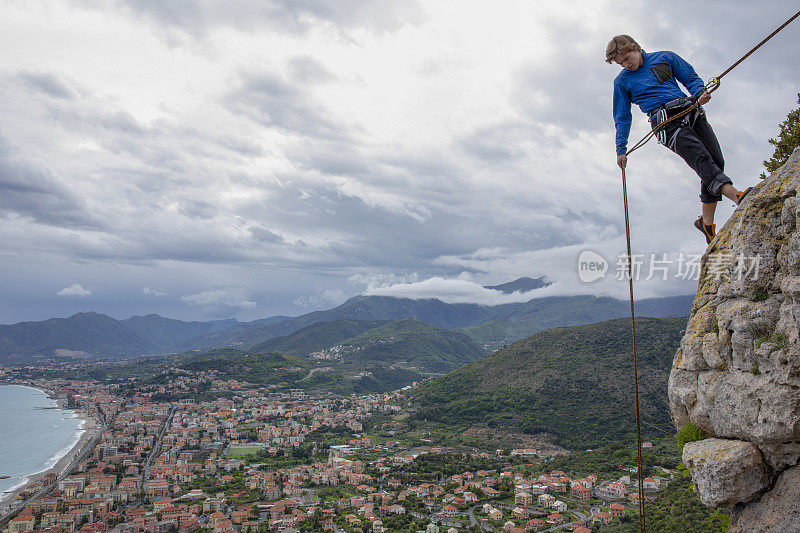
(573,385)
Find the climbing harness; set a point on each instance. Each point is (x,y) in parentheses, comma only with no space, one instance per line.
(712,85)
(662,115)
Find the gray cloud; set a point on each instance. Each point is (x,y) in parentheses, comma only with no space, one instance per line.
(452,291)
(271,101)
(29,188)
(262,234)
(563,89)
(199,17)
(51,84)
(714,46)
(323,298)
(307,70)
(221,301)
(507,142)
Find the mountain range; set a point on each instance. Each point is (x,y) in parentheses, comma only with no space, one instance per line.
(102,336)
(343,356)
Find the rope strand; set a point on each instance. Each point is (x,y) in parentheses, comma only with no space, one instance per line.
(642,522)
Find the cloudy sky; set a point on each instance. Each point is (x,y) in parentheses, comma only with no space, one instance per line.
(203,159)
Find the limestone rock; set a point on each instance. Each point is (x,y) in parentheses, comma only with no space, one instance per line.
(777,510)
(726,471)
(711,352)
(736,374)
(779,456)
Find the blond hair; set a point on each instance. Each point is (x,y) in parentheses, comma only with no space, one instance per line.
(621,44)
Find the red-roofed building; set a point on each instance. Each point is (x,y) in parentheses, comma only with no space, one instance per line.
(239,516)
(161,504)
(97,527)
(449,511)
(22,522)
(535,524)
(188,526)
(617,509)
(580,492)
(224,525)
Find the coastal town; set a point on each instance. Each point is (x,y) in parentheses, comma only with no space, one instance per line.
(239,459)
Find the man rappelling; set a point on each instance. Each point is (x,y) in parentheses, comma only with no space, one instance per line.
(650,80)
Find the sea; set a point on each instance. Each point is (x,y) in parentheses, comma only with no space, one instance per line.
(32,440)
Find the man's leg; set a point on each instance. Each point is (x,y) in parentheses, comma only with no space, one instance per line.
(730,192)
(708,213)
(709,139)
(713,181)
(693,150)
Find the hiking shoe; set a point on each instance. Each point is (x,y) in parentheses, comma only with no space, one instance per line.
(708,231)
(741,194)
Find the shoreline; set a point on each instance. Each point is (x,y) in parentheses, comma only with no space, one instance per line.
(60,461)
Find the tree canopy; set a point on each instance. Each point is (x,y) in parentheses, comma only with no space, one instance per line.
(788,139)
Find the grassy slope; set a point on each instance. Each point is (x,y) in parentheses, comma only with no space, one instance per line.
(573,383)
(421,345)
(318,336)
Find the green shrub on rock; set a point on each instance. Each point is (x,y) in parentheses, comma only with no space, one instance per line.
(688,433)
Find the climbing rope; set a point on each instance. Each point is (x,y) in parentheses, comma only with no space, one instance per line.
(712,85)
(642,525)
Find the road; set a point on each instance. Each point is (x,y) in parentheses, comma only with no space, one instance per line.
(474,521)
(156,447)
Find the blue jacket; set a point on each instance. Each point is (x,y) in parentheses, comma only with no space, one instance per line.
(650,86)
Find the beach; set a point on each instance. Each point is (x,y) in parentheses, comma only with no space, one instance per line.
(62,461)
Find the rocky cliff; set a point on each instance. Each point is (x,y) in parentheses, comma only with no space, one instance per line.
(736,374)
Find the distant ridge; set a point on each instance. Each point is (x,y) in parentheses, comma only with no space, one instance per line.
(490,326)
(167,334)
(90,332)
(523,284)
(105,337)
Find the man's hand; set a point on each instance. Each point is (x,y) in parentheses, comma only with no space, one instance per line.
(622,160)
(704,98)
